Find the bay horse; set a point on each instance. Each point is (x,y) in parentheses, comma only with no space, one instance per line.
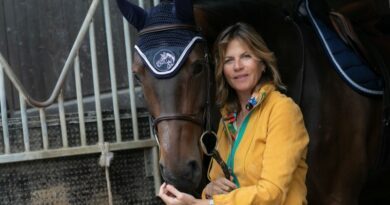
(344,125)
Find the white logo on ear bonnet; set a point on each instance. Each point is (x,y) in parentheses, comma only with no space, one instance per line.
(164,60)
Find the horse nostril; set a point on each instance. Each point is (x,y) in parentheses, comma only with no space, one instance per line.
(193,165)
(193,168)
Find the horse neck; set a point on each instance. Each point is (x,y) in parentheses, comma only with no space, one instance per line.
(213,17)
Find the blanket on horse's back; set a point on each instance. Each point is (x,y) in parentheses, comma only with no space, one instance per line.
(350,66)
(369,41)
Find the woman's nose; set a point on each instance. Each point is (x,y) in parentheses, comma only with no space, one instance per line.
(237,65)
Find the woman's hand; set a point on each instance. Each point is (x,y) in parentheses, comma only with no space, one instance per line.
(219,186)
(170,195)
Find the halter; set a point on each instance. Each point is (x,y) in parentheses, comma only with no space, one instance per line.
(206,119)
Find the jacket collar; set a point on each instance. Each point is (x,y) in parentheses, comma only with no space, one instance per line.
(256,99)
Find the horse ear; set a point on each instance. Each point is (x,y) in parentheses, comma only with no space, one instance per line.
(184,10)
(134,14)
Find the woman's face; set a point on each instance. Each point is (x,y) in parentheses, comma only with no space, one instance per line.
(241,68)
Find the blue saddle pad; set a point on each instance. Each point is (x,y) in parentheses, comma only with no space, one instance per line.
(347,63)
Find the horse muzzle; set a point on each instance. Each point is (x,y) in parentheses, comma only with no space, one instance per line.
(185,177)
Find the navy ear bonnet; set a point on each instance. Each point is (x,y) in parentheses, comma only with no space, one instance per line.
(164,52)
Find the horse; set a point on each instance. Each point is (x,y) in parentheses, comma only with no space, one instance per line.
(344,126)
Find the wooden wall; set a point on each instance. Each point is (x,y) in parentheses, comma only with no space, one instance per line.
(3,40)
(36,37)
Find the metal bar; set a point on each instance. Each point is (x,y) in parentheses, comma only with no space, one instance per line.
(80,37)
(72,151)
(156,170)
(79,94)
(131,79)
(141,3)
(23,116)
(96,88)
(4,118)
(45,139)
(150,120)
(111,59)
(61,110)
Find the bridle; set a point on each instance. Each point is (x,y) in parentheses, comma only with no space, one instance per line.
(205,121)
(208,135)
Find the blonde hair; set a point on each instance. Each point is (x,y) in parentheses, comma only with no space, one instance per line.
(226,96)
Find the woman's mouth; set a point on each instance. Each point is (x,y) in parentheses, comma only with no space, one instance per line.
(240,77)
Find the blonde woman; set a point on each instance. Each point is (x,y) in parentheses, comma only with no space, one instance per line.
(261,135)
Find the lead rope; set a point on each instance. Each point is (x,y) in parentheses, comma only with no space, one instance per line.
(104,161)
(208,87)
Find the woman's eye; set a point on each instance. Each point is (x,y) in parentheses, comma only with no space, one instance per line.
(247,56)
(228,61)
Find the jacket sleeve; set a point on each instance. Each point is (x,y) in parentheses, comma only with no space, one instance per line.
(286,145)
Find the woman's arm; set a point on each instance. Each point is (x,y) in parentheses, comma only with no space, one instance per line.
(171,196)
(218,186)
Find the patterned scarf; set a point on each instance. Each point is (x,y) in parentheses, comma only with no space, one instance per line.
(231,118)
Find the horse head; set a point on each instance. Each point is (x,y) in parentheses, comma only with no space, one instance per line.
(171,64)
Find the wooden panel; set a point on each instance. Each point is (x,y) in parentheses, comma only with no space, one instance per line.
(102,52)
(41,34)
(3,37)
(40,42)
(4,51)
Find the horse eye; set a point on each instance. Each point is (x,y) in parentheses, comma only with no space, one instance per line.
(137,78)
(198,67)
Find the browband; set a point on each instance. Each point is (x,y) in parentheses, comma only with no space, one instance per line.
(166,27)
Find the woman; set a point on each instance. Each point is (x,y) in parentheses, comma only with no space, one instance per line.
(261,134)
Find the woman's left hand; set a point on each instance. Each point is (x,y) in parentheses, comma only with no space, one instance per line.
(170,195)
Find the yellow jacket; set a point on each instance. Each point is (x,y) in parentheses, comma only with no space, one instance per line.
(269,162)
